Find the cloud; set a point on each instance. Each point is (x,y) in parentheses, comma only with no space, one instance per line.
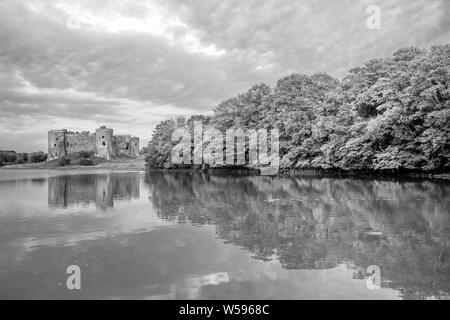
(131,64)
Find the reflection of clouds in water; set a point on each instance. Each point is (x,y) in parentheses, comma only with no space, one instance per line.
(70,231)
(192,286)
(269,281)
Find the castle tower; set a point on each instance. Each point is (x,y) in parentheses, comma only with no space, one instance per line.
(56,144)
(134,146)
(104,142)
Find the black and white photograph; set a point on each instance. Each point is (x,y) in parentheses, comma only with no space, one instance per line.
(224,150)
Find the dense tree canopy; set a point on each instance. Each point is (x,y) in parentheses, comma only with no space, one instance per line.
(386,114)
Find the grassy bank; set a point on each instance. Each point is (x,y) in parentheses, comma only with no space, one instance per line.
(76,162)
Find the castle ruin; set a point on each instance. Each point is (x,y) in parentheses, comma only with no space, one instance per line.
(103,143)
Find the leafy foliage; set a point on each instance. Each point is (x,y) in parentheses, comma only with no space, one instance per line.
(8,156)
(86,154)
(86,162)
(38,157)
(64,161)
(388,114)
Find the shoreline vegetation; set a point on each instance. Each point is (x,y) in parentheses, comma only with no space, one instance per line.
(125,164)
(387,117)
(327,173)
(9,157)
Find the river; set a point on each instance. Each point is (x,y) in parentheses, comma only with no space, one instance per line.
(154,235)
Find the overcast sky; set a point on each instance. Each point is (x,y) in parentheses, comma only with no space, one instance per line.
(130,64)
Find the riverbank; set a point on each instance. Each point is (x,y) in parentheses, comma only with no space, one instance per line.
(139,164)
(119,164)
(363,174)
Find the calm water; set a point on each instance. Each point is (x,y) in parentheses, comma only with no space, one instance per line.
(189,236)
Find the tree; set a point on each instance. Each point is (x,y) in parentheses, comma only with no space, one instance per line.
(38,157)
(8,156)
(23,157)
(387,114)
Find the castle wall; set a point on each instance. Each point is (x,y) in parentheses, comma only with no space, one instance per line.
(122,144)
(56,144)
(134,146)
(84,141)
(126,145)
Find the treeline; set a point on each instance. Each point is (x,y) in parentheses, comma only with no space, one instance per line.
(388,114)
(12,157)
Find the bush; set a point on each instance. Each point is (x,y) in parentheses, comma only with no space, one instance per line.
(20,161)
(86,162)
(64,161)
(1,163)
(38,157)
(86,154)
(23,157)
(8,156)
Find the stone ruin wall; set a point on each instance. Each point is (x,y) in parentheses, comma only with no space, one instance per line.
(134,146)
(56,144)
(121,144)
(126,145)
(84,141)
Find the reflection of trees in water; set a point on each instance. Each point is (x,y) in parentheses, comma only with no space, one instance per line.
(101,189)
(310,223)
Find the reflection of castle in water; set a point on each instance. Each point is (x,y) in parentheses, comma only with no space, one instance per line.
(307,223)
(101,189)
